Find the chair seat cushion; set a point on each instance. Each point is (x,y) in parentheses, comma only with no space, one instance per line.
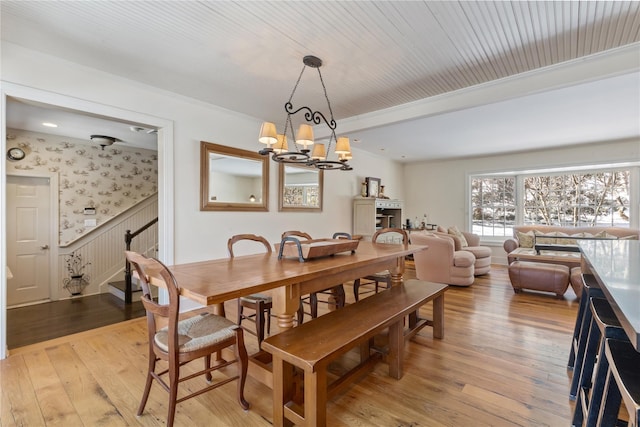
(198,332)
(380,276)
(256,297)
(479,251)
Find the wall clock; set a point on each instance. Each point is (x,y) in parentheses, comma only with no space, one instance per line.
(15,153)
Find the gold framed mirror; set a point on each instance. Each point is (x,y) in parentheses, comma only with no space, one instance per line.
(300,188)
(232,179)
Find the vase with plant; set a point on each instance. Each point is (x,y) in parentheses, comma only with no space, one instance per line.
(78,279)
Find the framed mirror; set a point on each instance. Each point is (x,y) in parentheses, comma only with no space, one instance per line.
(300,188)
(232,179)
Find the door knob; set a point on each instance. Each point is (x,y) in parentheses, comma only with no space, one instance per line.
(44,247)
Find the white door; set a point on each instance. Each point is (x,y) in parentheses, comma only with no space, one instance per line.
(28,233)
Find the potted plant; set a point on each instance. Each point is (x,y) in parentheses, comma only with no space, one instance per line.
(77,279)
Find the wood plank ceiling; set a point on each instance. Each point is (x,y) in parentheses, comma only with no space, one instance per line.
(246,55)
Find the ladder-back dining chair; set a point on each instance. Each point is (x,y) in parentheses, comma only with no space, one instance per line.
(184,339)
(335,295)
(391,235)
(261,304)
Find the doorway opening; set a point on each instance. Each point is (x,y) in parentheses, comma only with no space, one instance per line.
(17,95)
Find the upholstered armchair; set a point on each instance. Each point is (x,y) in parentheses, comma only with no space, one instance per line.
(471,243)
(441,262)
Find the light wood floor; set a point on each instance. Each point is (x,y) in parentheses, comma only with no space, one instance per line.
(502,363)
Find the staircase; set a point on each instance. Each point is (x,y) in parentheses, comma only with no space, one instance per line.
(104,248)
(128,289)
(119,290)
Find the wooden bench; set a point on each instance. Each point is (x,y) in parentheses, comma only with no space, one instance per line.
(313,345)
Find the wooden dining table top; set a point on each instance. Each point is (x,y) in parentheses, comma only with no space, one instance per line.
(219,280)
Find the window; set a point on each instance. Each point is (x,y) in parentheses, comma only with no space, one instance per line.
(578,200)
(493,206)
(581,199)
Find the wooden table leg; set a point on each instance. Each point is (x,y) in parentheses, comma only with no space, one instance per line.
(397,272)
(286,301)
(438,317)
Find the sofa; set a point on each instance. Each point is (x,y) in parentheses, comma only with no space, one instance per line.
(441,263)
(525,236)
(529,274)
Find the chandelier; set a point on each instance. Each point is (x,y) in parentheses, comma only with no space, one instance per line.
(277,145)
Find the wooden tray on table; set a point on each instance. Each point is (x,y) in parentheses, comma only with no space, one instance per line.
(308,249)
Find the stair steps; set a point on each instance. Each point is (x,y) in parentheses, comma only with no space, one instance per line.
(117,289)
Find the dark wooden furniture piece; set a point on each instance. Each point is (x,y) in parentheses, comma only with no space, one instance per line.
(615,264)
(590,289)
(335,295)
(622,384)
(184,340)
(381,276)
(539,247)
(313,345)
(261,304)
(584,386)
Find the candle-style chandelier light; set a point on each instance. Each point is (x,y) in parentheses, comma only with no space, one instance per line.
(277,144)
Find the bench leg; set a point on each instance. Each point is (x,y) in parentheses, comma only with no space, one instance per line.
(396,348)
(315,397)
(365,350)
(282,390)
(438,317)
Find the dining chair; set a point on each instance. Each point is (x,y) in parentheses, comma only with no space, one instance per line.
(335,295)
(382,276)
(261,304)
(185,339)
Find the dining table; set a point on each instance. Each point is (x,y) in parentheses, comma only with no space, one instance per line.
(212,282)
(615,264)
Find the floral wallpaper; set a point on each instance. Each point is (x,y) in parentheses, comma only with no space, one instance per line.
(110,180)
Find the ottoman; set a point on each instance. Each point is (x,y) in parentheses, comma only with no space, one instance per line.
(539,276)
(576,281)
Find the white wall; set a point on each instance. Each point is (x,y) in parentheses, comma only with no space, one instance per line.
(439,188)
(201,235)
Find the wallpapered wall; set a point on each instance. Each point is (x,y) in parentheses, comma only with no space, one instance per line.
(110,180)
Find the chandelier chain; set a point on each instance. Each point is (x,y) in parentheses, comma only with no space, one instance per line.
(295,87)
(324,88)
(288,122)
(333,136)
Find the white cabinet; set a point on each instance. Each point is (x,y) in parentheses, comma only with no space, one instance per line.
(371,214)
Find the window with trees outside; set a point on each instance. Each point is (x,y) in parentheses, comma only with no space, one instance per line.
(582,199)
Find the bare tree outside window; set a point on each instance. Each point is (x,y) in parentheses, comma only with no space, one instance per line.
(494,206)
(578,200)
(570,200)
